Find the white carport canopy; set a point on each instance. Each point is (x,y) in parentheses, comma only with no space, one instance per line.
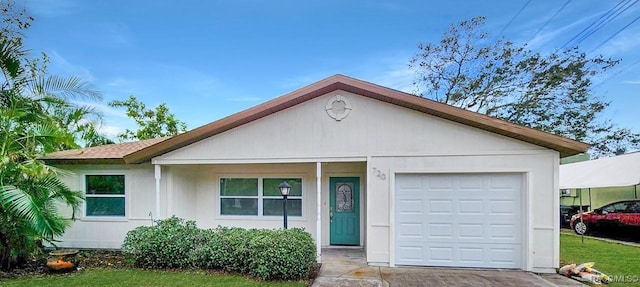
(622,170)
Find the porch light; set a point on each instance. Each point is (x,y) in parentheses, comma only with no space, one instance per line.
(284,190)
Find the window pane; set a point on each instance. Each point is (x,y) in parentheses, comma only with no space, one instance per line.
(274,207)
(239,186)
(239,206)
(270,186)
(105,206)
(105,184)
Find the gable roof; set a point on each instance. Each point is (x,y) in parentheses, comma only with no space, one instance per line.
(565,146)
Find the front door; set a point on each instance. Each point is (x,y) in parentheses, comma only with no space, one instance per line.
(344,210)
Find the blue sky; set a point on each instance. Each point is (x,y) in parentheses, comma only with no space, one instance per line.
(210,59)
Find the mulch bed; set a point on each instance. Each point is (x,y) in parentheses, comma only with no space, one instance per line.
(91,259)
(87,258)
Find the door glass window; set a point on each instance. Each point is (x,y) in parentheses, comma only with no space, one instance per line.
(344,196)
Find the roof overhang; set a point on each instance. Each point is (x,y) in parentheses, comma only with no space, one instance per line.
(565,146)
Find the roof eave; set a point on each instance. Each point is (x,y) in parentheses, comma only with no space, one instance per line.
(565,146)
(84,161)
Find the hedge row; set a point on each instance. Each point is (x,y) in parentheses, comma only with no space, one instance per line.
(266,254)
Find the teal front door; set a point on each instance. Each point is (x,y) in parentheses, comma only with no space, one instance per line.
(344,210)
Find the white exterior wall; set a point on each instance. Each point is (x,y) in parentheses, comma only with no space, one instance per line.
(108,232)
(376,138)
(392,140)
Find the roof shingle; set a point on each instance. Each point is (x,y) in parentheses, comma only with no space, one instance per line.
(105,153)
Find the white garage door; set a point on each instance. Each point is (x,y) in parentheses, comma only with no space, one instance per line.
(458,220)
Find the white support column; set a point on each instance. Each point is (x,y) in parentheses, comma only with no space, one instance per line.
(319,218)
(158,175)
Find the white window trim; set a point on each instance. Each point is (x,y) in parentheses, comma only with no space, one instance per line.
(260,197)
(86,217)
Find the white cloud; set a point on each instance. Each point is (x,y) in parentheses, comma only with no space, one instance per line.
(109,131)
(623,42)
(104,109)
(51,8)
(58,61)
(632,82)
(549,34)
(398,77)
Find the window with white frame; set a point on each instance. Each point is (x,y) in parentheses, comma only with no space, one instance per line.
(104,195)
(259,196)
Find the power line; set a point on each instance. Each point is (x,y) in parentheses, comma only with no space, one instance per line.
(615,34)
(607,21)
(549,20)
(591,25)
(512,19)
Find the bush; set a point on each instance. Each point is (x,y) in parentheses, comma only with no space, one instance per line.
(168,244)
(265,254)
(224,248)
(282,254)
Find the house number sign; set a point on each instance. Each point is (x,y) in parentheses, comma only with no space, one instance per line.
(379,173)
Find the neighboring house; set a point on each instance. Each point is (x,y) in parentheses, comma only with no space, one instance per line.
(598,182)
(413,181)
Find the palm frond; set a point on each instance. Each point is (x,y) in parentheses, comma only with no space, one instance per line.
(63,87)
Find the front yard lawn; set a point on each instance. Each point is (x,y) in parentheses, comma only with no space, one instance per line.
(139,277)
(621,262)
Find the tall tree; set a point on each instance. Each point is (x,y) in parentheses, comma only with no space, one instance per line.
(151,123)
(30,192)
(549,92)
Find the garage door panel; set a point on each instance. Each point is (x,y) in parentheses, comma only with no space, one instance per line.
(438,183)
(459,220)
(472,207)
(440,207)
(411,207)
(407,231)
(440,231)
(503,207)
(412,254)
(471,183)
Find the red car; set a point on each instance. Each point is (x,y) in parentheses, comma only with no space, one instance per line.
(613,216)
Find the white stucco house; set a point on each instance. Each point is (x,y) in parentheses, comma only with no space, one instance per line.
(412,181)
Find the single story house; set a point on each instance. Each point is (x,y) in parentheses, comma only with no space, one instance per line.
(411,180)
(594,183)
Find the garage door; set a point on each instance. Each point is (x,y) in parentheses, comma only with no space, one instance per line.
(458,220)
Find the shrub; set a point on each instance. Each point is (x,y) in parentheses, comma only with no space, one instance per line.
(264,254)
(225,248)
(282,254)
(168,244)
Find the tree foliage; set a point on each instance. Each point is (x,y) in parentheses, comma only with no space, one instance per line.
(151,123)
(31,102)
(550,92)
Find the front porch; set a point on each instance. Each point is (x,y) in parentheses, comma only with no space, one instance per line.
(328,199)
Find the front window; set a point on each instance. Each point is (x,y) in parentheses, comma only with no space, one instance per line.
(259,196)
(104,195)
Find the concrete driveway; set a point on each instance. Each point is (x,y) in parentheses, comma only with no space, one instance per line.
(347,267)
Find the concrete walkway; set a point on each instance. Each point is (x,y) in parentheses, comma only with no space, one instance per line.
(348,267)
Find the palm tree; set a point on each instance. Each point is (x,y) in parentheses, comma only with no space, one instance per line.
(30,192)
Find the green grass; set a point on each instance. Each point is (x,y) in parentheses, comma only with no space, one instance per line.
(621,262)
(138,277)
